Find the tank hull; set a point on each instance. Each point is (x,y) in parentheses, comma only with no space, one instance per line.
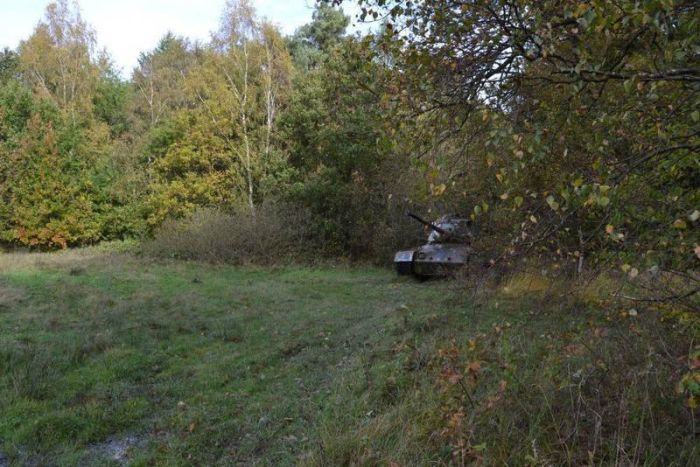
(432,260)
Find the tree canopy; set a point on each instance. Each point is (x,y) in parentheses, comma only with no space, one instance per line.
(568,130)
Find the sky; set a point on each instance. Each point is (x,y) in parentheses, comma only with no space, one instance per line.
(128,27)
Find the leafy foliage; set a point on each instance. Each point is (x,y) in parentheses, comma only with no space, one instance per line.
(567,129)
(580,117)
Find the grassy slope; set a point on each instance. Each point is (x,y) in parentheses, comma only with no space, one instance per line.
(185,362)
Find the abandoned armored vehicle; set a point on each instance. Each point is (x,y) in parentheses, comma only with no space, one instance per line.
(448,248)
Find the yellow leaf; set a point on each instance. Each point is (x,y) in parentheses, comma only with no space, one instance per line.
(438,190)
(679,224)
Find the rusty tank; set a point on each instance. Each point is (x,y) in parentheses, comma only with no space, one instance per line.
(448,248)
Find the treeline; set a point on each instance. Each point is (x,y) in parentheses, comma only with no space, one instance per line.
(247,118)
(567,130)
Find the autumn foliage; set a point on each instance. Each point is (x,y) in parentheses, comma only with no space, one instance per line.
(567,130)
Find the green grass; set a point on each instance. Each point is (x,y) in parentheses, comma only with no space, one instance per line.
(188,363)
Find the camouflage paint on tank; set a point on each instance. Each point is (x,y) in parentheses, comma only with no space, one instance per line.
(447,248)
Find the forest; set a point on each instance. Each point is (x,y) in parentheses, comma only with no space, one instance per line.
(567,131)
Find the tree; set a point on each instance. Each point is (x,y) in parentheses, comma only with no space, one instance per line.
(223,145)
(59,59)
(9,63)
(51,196)
(311,41)
(111,101)
(159,79)
(342,150)
(237,62)
(581,113)
(61,110)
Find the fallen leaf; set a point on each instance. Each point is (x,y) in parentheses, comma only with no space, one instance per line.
(680,224)
(474,367)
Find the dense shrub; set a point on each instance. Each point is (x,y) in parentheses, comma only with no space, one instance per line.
(281,233)
(274,233)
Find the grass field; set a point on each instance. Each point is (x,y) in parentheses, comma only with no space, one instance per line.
(107,358)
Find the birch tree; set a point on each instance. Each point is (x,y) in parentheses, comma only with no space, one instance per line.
(60,61)
(276,79)
(238,46)
(234,91)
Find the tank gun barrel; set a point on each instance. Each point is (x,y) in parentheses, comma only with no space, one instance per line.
(427,224)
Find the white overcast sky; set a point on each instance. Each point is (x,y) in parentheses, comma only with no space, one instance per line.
(127,27)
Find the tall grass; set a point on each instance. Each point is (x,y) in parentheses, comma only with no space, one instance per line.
(539,372)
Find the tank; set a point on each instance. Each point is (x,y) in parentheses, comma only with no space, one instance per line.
(447,250)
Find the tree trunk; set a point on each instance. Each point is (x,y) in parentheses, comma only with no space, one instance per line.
(244,124)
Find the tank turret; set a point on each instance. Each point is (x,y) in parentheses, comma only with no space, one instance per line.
(447,229)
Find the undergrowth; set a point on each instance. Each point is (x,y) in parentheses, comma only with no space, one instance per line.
(543,372)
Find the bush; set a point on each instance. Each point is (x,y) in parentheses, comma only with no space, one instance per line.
(273,234)
(285,232)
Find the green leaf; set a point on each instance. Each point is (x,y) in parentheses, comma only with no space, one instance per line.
(628,85)
(552,203)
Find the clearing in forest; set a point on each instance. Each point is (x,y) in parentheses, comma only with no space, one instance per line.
(111,358)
